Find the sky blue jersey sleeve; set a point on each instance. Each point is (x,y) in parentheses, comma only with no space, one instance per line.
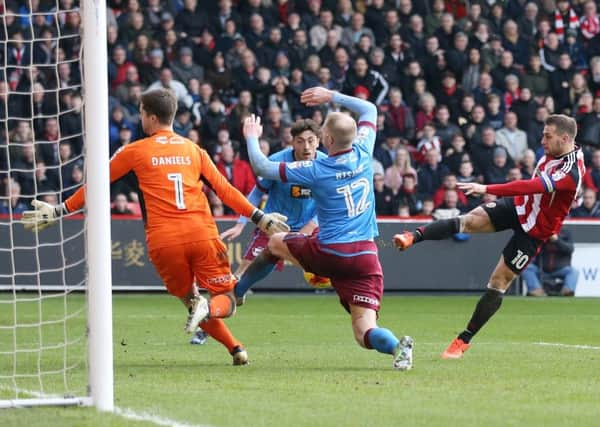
(262,166)
(367,118)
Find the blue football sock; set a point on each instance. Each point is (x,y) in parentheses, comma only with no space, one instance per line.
(260,268)
(381,339)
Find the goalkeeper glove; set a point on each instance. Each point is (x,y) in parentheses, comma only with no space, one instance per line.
(270,223)
(43,215)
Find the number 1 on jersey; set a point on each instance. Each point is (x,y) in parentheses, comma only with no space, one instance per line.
(177,179)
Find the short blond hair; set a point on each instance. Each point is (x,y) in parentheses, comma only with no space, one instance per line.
(341,127)
(563,124)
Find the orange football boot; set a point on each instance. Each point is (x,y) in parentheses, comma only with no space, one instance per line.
(456,349)
(404,240)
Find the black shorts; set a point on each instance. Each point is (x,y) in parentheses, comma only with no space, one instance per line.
(521,248)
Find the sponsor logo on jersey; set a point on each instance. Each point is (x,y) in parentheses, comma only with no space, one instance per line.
(171,160)
(558,175)
(298,192)
(490,205)
(302,164)
(365,299)
(220,279)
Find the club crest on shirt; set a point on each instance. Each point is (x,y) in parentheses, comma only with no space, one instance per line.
(298,192)
(490,205)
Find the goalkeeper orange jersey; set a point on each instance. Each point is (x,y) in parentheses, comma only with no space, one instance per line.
(169,170)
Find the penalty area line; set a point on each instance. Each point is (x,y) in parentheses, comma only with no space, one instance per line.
(574,346)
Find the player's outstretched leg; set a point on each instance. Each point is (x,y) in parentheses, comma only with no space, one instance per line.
(476,221)
(370,336)
(260,268)
(437,230)
(217,329)
(486,307)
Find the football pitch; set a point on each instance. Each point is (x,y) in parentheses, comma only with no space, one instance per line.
(536,363)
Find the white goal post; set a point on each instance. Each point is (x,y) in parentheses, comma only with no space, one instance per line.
(28,358)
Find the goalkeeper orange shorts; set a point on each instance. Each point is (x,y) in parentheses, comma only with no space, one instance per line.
(206,261)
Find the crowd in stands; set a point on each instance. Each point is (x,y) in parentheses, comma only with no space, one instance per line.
(462,87)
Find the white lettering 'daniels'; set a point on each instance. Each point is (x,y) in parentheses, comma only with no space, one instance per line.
(171,160)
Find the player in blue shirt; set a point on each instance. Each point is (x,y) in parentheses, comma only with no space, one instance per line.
(292,200)
(296,202)
(343,249)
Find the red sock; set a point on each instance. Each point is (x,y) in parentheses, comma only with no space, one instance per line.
(217,329)
(221,306)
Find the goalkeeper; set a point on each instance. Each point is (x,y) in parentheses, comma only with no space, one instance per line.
(293,201)
(181,234)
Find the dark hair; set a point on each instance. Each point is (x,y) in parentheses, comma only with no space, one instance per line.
(563,124)
(160,102)
(303,125)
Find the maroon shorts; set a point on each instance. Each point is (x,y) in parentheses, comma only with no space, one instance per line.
(353,268)
(257,245)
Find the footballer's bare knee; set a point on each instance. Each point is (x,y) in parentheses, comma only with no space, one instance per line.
(476,221)
(501,277)
(277,245)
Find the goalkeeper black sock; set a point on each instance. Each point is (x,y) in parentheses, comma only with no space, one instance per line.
(438,230)
(488,304)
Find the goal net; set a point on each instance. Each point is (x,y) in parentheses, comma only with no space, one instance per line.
(49,300)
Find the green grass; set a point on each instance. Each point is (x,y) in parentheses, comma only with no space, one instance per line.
(306,369)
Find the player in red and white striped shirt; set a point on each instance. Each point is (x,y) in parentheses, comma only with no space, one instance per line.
(535,212)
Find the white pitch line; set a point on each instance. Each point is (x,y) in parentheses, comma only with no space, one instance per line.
(576,346)
(156,419)
(122,412)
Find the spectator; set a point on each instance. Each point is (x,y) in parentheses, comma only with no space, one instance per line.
(273,128)
(456,154)
(589,22)
(512,138)
(399,169)
(450,95)
(483,154)
(536,127)
(444,129)
(398,115)
(432,173)
(318,33)
(213,120)
(484,89)
(527,21)
(167,81)
(151,71)
(386,152)
(184,69)
(528,164)
(472,70)
(497,173)
(352,34)
(515,43)
(362,77)
(553,262)
(536,78)
(451,205)
(494,113)
(524,107)
(590,208)
(384,197)
(504,69)
(10,202)
(120,205)
(426,112)
(559,83)
(408,195)
(591,178)
(238,172)
(428,141)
